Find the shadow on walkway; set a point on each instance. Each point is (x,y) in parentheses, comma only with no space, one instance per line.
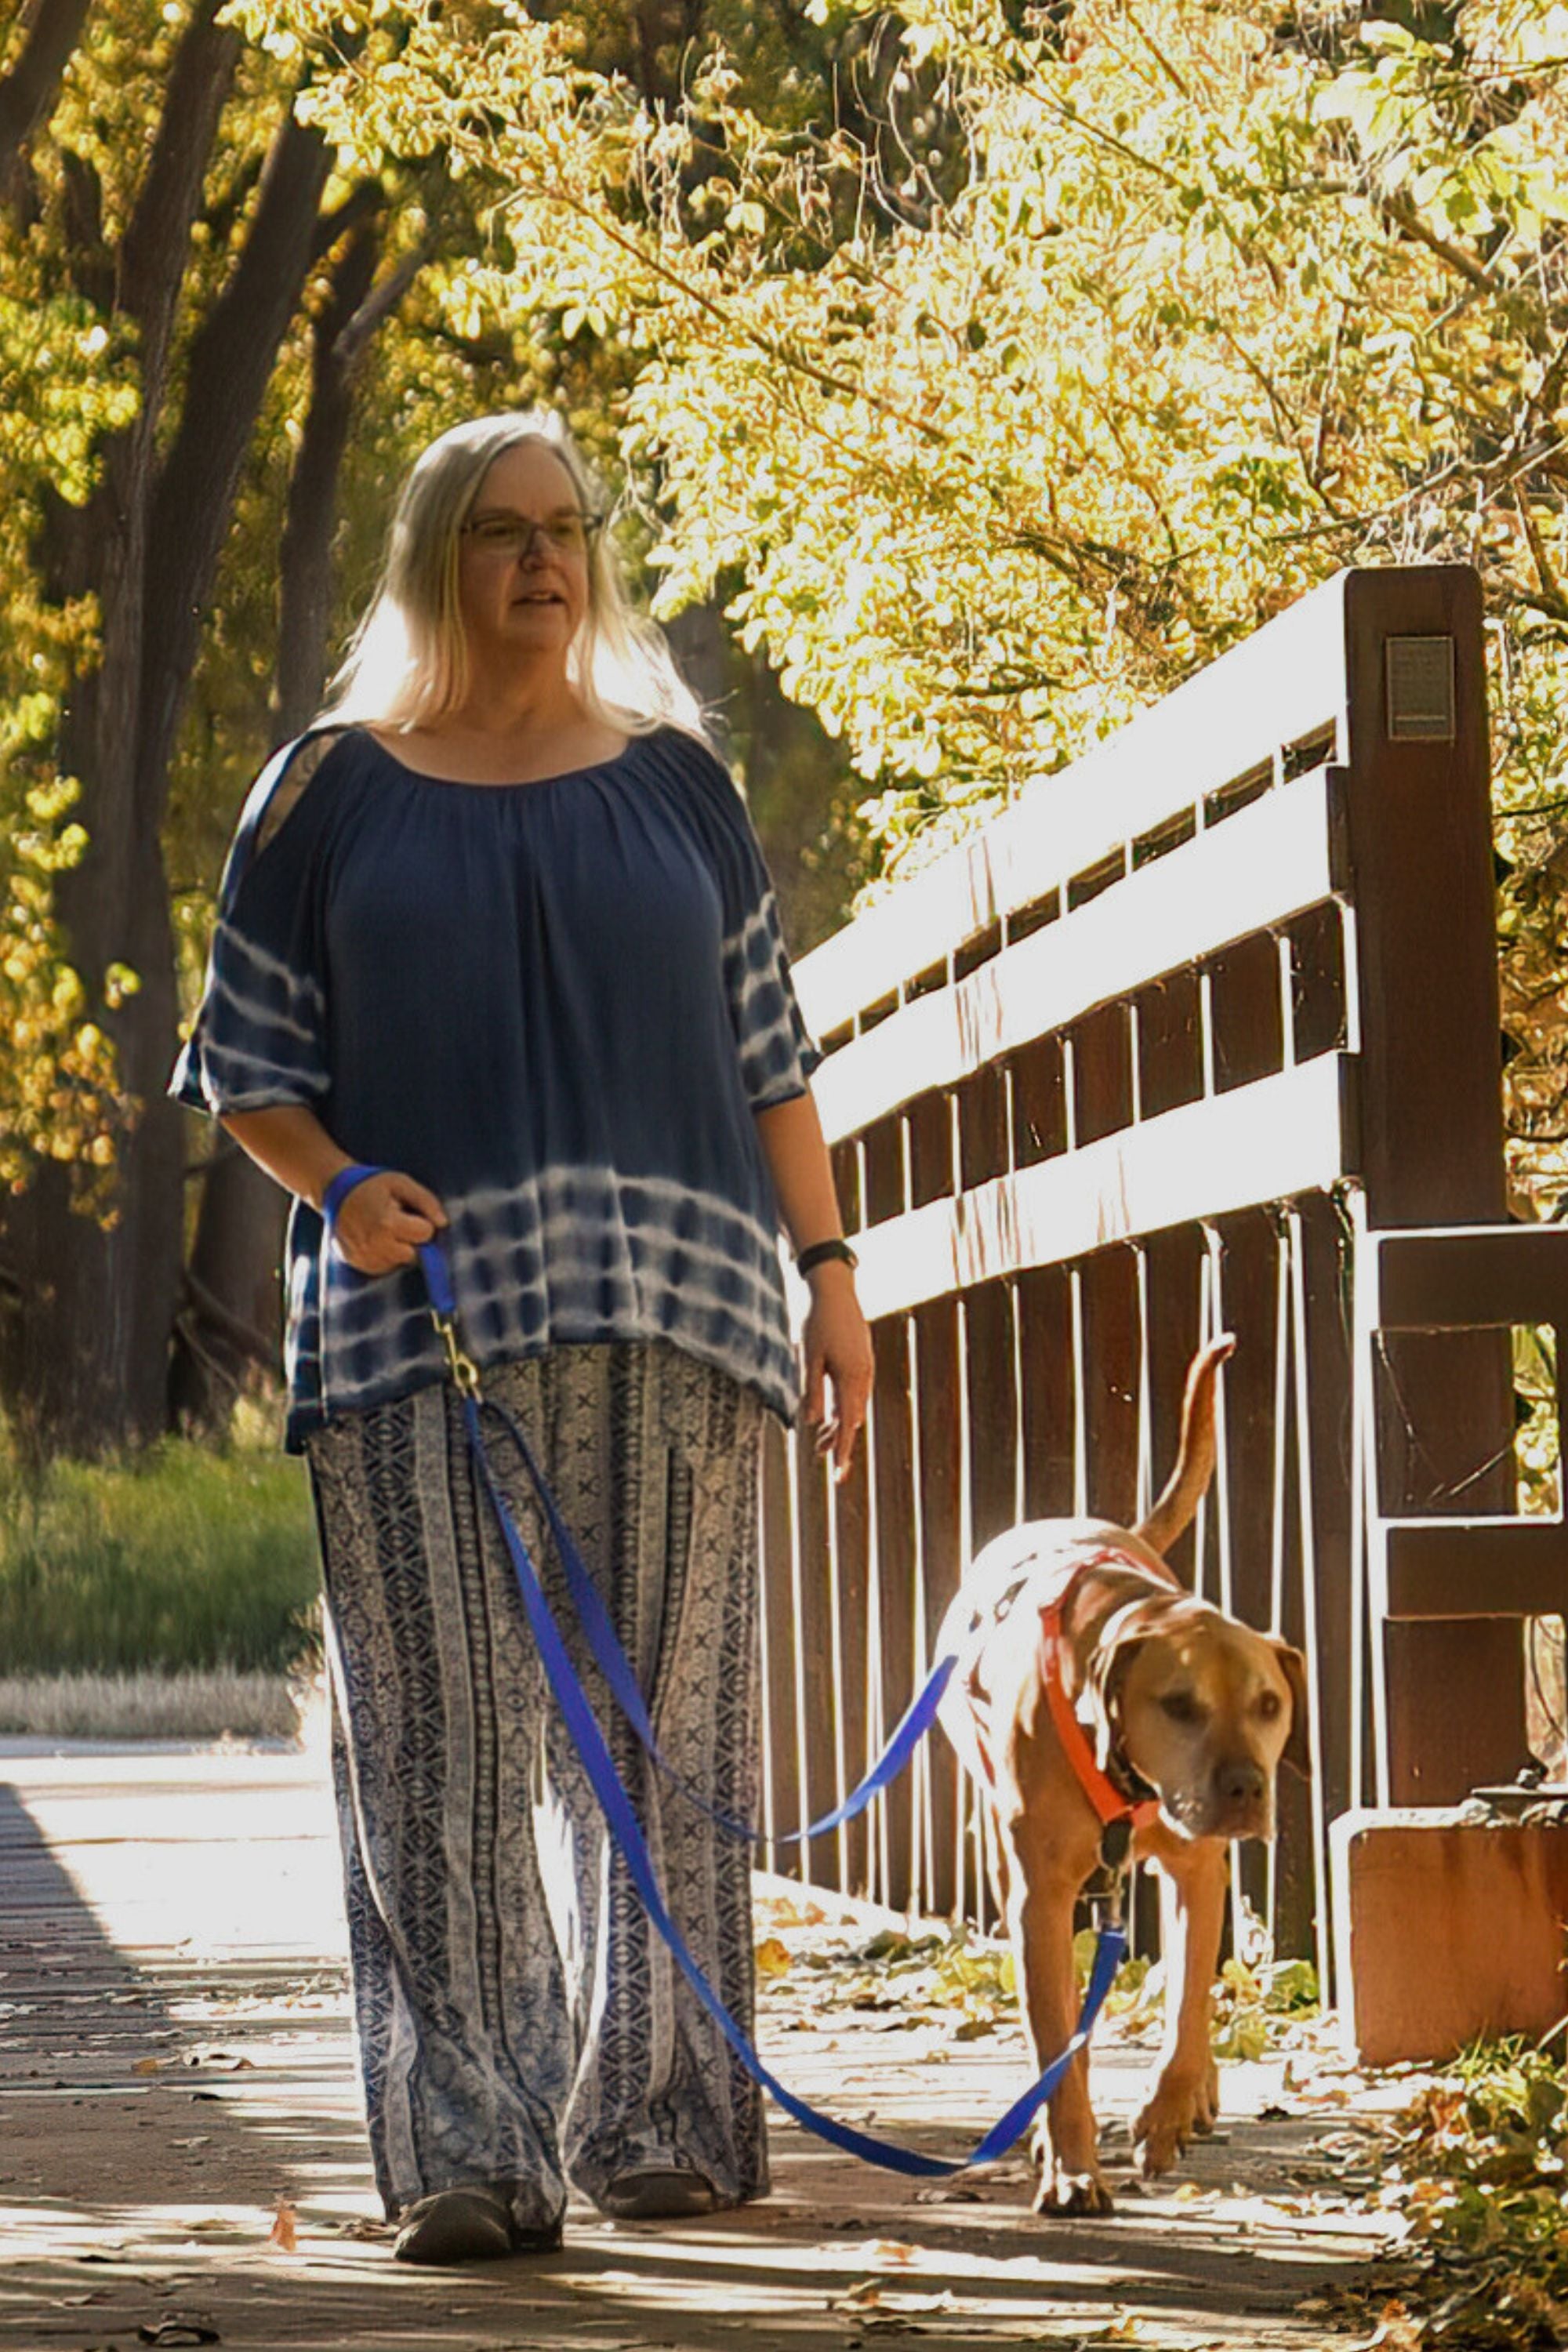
(158,2096)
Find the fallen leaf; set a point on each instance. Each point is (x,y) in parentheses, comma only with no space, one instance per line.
(148,2066)
(282,2233)
(893,2250)
(773,1958)
(863,2296)
(176,2328)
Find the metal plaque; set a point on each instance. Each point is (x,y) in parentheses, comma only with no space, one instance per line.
(1420,672)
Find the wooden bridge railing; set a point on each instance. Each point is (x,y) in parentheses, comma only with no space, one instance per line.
(1175,1045)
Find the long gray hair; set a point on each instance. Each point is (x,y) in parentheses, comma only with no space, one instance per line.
(406,664)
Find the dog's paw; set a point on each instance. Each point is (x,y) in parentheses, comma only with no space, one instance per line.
(1178,2108)
(1062,2192)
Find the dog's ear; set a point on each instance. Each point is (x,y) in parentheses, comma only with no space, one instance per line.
(1297,1748)
(1107,1671)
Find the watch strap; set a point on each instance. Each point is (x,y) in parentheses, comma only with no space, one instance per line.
(821,1252)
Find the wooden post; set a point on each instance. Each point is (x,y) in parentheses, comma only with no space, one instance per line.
(1417,809)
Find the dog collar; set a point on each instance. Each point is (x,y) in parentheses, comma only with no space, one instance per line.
(1112,1804)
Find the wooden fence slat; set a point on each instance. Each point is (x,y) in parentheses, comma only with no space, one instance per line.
(939,1471)
(851,1578)
(894,1471)
(1175,1260)
(1317,980)
(781,1772)
(1112,1348)
(1170,1044)
(1264,1142)
(932,1175)
(992,1416)
(1331,1393)
(1278,686)
(1045,1404)
(1039,1102)
(1103,1072)
(814,1669)
(886,1192)
(1251,1247)
(1245,995)
(1268,863)
(984,1137)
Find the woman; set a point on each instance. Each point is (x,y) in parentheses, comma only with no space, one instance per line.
(498,928)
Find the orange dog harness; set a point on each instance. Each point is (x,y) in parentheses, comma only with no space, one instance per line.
(1111,1804)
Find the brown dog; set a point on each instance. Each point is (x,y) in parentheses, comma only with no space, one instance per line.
(1177,1696)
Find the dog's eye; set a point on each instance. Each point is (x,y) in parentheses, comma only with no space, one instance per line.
(1181,1707)
(1268,1705)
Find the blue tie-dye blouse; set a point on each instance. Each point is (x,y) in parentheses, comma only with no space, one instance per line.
(558,1004)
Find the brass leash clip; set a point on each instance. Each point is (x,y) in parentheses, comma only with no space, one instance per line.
(464,1371)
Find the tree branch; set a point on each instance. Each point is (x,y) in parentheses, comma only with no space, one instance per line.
(252,1343)
(230,364)
(27,91)
(157,239)
(1404,215)
(378,305)
(362,203)
(305,556)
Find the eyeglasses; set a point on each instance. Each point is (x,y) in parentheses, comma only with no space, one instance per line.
(513,535)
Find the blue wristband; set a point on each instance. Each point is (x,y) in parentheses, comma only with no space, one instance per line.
(341,1185)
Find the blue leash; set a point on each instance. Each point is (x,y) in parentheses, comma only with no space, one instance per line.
(625,1829)
(611,1659)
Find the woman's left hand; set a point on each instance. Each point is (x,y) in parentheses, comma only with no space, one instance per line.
(837,1343)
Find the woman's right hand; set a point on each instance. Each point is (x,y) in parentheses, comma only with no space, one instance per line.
(382,1220)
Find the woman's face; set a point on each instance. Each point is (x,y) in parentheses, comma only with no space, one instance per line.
(522,592)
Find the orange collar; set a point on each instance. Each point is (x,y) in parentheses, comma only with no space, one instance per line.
(1111,1803)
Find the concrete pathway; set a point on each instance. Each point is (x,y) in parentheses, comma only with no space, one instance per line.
(181,2149)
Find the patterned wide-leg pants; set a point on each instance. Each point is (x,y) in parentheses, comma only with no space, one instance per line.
(519,2023)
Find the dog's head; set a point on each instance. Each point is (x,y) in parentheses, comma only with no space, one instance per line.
(1202,1708)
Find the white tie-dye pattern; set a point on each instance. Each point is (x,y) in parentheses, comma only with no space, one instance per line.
(573,1253)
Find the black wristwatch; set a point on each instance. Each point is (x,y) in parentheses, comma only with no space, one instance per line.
(820,1252)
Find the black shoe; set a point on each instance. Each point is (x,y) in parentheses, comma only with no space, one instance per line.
(466,2225)
(660,2194)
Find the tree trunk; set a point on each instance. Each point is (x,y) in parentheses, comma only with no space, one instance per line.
(84,1356)
(241,1215)
(228,1332)
(27,91)
(305,593)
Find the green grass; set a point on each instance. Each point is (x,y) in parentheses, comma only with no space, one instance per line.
(182,1558)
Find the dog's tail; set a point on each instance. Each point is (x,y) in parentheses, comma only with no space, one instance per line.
(1195,1464)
